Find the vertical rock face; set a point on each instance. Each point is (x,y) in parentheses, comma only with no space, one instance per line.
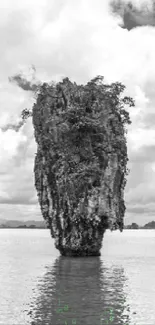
(80,165)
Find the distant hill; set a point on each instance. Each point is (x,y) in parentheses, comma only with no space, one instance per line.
(22,224)
(132,226)
(149,225)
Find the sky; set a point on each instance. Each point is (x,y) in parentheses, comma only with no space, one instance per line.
(80,40)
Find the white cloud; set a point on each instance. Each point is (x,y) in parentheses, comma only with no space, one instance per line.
(139,137)
(9,142)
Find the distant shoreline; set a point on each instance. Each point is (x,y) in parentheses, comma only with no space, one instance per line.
(48,229)
(22,228)
(33,224)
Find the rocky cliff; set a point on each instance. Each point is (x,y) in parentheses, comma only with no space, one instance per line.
(80,165)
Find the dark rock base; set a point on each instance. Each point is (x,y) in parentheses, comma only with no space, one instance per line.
(79,253)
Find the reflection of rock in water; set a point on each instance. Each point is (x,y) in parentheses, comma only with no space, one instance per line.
(86,286)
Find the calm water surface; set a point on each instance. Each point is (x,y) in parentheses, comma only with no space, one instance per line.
(39,287)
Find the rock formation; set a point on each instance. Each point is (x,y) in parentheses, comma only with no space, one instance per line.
(81,159)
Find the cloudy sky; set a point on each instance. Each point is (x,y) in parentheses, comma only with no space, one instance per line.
(79,39)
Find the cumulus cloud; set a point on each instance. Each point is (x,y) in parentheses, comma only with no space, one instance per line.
(134,15)
(15,127)
(22,81)
(77,39)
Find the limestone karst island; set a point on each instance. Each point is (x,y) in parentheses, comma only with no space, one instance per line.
(81,162)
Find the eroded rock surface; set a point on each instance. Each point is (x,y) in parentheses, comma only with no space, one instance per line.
(80,165)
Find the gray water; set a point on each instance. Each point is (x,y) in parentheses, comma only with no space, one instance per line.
(39,287)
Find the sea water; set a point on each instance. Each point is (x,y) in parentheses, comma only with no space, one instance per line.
(40,287)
